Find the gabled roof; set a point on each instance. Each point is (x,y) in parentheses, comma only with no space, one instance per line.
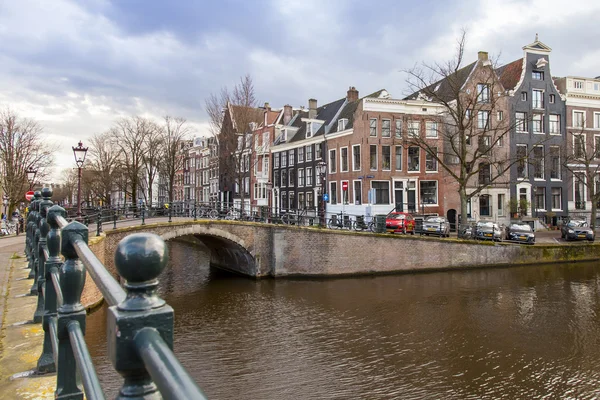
(247,114)
(272,116)
(325,113)
(510,74)
(447,88)
(347,113)
(537,46)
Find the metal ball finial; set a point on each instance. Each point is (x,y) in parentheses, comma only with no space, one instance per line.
(141,257)
(37,195)
(47,192)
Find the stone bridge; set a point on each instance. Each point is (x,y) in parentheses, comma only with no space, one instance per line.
(262,250)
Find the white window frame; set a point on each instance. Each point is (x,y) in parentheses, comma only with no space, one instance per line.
(354,183)
(376,157)
(573,119)
(389,130)
(329,164)
(524,123)
(354,168)
(534,206)
(483,93)
(578,85)
(596,120)
(526,171)
(437,193)
(341,160)
(500,115)
(534,103)
(541,161)
(291,154)
(389,167)
(398,128)
(483,123)
(541,124)
(552,198)
(309,130)
(559,163)
(342,124)
(550,124)
(584,143)
(418,170)
(308,150)
(431,126)
(427,154)
(308,177)
(389,192)
(300,177)
(300,155)
(414,128)
(371,131)
(398,168)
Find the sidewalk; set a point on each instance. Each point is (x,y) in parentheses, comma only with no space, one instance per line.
(20,339)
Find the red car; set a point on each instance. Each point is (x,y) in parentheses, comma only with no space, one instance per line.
(400,222)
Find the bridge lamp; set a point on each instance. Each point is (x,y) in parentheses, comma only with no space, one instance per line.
(31,176)
(79,152)
(322,170)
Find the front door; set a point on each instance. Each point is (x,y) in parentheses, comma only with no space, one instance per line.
(399,195)
(411,195)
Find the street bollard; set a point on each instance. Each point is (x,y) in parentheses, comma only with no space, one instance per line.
(170,211)
(99,223)
(115,220)
(143,216)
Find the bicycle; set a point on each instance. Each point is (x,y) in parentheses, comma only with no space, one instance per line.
(360,225)
(337,221)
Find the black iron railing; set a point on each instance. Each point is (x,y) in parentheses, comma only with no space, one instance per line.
(140,324)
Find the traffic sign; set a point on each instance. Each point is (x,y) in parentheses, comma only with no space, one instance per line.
(29,195)
(325,197)
(345,186)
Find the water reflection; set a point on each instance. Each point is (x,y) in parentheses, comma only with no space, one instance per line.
(495,333)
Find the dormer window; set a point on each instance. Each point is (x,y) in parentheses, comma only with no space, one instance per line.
(309,131)
(537,75)
(578,84)
(284,135)
(342,124)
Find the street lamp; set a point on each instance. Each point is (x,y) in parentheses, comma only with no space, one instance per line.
(79,153)
(322,170)
(31,176)
(269,211)
(5,202)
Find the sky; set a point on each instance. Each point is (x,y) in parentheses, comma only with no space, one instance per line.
(77,66)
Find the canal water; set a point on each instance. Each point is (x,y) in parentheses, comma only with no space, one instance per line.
(511,333)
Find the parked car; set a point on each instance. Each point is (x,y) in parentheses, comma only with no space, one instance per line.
(487,230)
(520,232)
(436,226)
(400,222)
(577,229)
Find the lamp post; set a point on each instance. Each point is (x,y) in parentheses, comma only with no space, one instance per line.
(31,176)
(322,169)
(269,211)
(5,202)
(79,153)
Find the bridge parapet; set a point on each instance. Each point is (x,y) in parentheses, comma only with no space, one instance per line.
(140,327)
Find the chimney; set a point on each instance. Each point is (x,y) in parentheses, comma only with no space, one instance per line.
(352,94)
(287,114)
(312,108)
(482,56)
(267,106)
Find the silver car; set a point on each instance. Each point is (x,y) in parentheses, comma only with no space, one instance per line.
(436,226)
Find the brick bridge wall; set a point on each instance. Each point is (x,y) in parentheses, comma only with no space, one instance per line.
(260,250)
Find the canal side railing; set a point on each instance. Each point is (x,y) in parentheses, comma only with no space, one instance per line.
(139,323)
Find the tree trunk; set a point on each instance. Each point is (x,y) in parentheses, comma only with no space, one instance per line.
(464,219)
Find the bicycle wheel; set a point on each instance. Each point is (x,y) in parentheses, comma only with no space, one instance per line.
(358,226)
(331,223)
(213,214)
(371,227)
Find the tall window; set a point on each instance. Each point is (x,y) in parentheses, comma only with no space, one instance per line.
(291,177)
(429,192)
(579,145)
(301,204)
(333,192)
(300,177)
(555,162)
(292,200)
(537,98)
(579,191)
(413,158)
(332,162)
(578,84)
(309,153)
(386,158)
(386,128)
(413,128)
(485,208)
(291,157)
(556,198)
(597,146)
(430,160)
(431,129)
(356,157)
(373,127)
(309,176)
(538,123)
(309,129)
(357,192)
(318,151)
(522,161)
(284,177)
(578,119)
(276,160)
(500,206)
(538,162)
(540,198)
(310,200)
(485,173)
(283,159)
(597,120)
(554,124)
(344,159)
(300,154)
(483,118)
(521,118)
(284,202)
(483,93)
(373,157)
(398,128)
(382,192)
(398,158)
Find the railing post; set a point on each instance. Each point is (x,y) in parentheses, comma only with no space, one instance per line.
(34,245)
(115,220)
(72,279)
(139,259)
(46,362)
(170,210)
(41,275)
(99,223)
(143,215)
(31,218)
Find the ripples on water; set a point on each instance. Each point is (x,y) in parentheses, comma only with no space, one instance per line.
(517,333)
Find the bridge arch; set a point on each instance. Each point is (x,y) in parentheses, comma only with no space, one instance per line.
(227,250)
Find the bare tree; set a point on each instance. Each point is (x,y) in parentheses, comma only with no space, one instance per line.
(174,133)
(64,192)
(582,160)
(22,147)
(102,166)
(130,136)
(474,151)
(233,116)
